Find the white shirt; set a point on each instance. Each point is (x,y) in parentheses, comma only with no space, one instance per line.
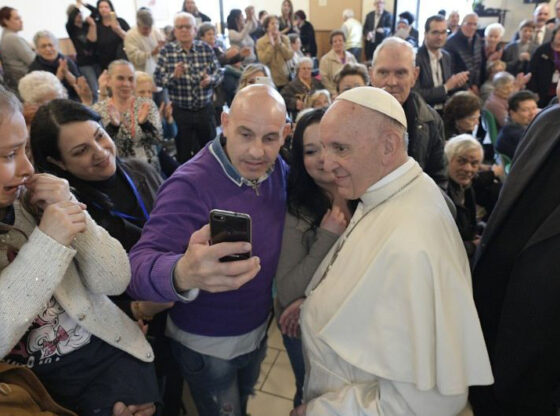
(435,66)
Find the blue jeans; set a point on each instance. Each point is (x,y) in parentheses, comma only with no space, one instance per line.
(294,350)
(220,387)
(91,72)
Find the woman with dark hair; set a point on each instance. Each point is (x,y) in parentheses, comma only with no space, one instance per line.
(545,67)
(57,269)
(317,216)
(240,29)
(461,114)
(306,33)
(189,6)
(17,54)
(111,31)
(69,142)
(334,60)
(83,34)
(286,19)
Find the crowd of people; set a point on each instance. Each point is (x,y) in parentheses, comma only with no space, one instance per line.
(402,199)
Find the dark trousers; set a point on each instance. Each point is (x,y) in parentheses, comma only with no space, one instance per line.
(357,52)
(195,129)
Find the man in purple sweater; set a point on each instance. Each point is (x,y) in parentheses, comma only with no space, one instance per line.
(219,321)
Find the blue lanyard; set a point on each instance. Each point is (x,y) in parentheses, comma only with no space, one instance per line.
(138,199)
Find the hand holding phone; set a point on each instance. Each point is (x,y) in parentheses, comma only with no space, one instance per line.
(200,266)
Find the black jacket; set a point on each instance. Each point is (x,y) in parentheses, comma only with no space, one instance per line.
(307,36)
(542,68)
(426,137)
(147,181)
(40,64)
(516,281)
(467,58)
(425,83)
(385,22)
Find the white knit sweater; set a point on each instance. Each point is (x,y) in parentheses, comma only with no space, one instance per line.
(79,276)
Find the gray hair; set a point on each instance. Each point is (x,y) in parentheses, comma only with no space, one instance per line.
(494,26)
(144,17)
(304,60)
(502,78)
(45,34)
(184,15)
(119,62)
(461,144)
(394,42)
(36,86)
(9,104)
(471,14)
(347,13)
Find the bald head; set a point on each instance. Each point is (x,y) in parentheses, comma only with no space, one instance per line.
(255,129)
(261,99)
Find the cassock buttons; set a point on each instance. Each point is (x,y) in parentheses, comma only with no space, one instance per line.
(118,338)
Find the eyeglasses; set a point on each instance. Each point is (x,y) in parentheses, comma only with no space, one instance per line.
(183,27)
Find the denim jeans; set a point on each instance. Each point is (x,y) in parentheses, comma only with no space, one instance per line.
(220,387)
(294,350)
(91,73)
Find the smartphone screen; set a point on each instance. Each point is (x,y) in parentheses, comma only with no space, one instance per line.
(227,226)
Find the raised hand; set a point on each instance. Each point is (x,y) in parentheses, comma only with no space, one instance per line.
(205,81)
(63,220)
(45,189)
(84,91)
(179,70)
(144,112)
(334,221)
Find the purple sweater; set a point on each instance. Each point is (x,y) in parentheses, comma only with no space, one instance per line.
(206,182)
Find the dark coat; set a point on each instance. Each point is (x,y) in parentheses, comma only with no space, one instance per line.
(425,83)
(518,304)
(467,58)
(147,181)
(298,90)
(426,138)
(385,22)
(511,57)
(542,68)
(307,36)
(39,64)
(508,138)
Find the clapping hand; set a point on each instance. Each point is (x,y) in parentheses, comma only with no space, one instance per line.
(114,115)
(166,111)
(179,70)
(144,112)
(205,81)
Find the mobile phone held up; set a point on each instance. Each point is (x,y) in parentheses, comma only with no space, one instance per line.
(230,227)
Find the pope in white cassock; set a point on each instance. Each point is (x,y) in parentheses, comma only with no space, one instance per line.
(389,325)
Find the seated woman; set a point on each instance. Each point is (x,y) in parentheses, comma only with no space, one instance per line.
(497,102)
(58,268)
(273,50)
(132,122)
(461,114)
(316,217)
(351,76)
(50,59)
(334,60)
(464,156)
(119,194)
(38,88)
(297,91)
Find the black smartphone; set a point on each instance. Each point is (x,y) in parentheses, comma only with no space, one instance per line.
(227,226)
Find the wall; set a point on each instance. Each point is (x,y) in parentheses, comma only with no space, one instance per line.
(51,14)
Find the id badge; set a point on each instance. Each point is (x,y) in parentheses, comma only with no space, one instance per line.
(556,77)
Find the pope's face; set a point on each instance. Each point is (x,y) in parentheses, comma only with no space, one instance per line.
(352,151)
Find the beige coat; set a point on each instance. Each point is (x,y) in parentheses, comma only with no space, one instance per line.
(329,66)
(276,57)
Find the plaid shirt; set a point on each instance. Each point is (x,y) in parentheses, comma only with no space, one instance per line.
(186,92)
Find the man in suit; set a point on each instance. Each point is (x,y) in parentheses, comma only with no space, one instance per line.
(543,33)
(377,26)
(436,81)
(516,282)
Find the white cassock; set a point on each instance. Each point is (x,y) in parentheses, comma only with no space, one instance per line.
(392,328)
